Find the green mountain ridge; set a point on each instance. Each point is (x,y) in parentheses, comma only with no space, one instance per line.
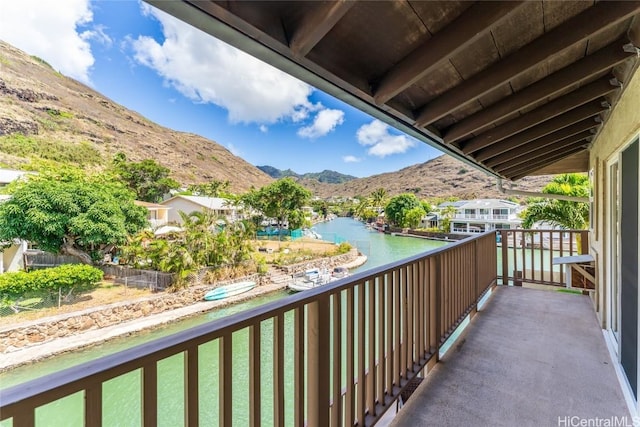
(326,176)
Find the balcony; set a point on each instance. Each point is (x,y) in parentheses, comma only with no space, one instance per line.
(349,350)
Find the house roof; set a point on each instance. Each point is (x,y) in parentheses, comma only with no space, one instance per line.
(150,205)
(216,203)
(482,204)
(513,88)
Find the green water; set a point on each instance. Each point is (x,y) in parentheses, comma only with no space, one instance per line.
(122,396)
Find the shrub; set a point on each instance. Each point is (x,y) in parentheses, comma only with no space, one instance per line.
(343,248)
(68,278)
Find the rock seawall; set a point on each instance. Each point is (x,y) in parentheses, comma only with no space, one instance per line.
(18,336)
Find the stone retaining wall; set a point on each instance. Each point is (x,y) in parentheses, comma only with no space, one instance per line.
(35,332)
(329,263)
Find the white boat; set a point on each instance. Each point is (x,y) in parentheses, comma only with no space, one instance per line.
(230,290)
(340,272)
(310,279)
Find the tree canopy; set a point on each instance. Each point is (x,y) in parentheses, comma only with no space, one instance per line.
(570,215)
(282,200)
(398,206)
(70,213)
(149,180)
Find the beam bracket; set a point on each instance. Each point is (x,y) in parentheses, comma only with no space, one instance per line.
(631,48)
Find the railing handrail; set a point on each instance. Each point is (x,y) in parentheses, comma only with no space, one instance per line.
(94,373)
(209,330)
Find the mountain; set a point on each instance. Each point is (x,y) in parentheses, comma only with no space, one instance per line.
(326,176)
(46,115)
(439,177)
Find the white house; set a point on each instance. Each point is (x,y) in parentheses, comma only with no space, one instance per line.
(480,215)
(157,215)
(187,204)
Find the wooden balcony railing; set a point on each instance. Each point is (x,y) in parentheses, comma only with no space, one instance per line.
(355,344)
(527,255)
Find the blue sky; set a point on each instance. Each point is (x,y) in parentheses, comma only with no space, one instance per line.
(186,80)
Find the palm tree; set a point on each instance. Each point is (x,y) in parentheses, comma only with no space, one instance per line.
(379,197)
(569,215)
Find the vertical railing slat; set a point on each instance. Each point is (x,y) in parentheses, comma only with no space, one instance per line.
(225,381)
(92,405)
(388,282)
(150,394)
(504,243)
(278,370)
(360,350)
(191,395)
(350,395)
(397,315)
(371,344)
(336,394)
(318,362)
(381,376)
(255,400)
(404,345)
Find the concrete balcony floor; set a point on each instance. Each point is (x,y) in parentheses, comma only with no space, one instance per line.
(528,358)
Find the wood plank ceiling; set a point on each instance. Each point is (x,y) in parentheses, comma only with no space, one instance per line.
(515,88)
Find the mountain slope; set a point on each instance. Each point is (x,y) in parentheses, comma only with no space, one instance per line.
(327,176)
(439,177)
(46,115)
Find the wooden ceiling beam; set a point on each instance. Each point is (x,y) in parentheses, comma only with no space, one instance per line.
(547,111)
(602,60)
(316,24)
(529,168)
(580,139)
(550,126)
(463,31)
(581,27)
(586,126)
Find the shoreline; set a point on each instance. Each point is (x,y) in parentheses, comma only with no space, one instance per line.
(46,350)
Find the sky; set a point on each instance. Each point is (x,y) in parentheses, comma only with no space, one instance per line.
(184,79)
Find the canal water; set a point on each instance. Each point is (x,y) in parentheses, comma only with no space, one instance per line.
(122,397)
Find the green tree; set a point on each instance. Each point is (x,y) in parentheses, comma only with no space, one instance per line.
(279,200)
(569,215)
(413,217)
(71,213)
(398,207)
(214,188)
(378,197)
(147,179)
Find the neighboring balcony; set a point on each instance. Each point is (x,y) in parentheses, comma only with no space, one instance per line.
(348,351)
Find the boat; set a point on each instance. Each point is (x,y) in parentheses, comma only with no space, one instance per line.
(230,290)
(340,272)
(310,279)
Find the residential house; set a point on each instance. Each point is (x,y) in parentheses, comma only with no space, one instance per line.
(157,214)
(480,215)
(218,206)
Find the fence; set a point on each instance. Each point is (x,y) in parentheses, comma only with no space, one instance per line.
(356,344)
(36,260)
(527,255)
(132,277)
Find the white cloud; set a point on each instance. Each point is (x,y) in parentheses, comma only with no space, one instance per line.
(263,129)
(325,121)
(382,143)
(48,29)
(207,70)
(351,159)
(98,34)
